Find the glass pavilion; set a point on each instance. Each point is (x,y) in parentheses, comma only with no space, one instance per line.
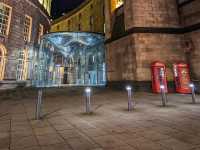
(70,59)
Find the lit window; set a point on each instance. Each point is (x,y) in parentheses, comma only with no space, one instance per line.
(40,32)
(41,1)
(116,4)
(46,4)
(27,28)
(22,65)
(5,17)
(119,3)
(3,52)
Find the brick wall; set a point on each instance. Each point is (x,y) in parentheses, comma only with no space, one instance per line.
(151,13)
(156,47)
(120,59)
(14,41)
(190,16)
(129,58)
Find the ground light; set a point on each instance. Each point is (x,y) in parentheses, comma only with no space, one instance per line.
(88,99)
(163,95)
(130,102)
(192,86)
(39,105)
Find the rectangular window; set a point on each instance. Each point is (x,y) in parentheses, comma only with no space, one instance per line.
(80,16)
(91,23)
(79,27)
(22,65)
(27,28)
(69,25)
(41,1)
(5,17)
(116,4)
(119,3)
(40,32)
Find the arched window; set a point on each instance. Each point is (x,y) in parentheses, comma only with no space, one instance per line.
(3,52)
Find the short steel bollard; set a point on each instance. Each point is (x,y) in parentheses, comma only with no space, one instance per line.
(88,100)
(193,93)
(163,94)
(39,105)
(130,101)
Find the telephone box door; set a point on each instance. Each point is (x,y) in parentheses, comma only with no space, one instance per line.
(159,78)
(182,78)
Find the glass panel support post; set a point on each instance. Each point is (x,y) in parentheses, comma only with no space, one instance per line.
(193,93)
(130,101)
(163,95)
(88,100)
(38,113)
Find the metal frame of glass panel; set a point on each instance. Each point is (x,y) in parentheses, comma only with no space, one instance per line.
(70,59)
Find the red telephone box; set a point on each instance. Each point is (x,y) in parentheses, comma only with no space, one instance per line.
(159,77)
(182,78)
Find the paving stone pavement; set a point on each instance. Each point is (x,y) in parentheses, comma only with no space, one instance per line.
(65,126)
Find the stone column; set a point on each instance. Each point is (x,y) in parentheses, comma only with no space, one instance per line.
(108,23)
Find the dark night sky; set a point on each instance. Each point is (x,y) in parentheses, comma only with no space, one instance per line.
(60,6)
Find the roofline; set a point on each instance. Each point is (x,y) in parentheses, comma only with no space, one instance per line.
(41,9)
(97,33)
(70,13)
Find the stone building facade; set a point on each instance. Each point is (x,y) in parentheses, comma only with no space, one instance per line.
(190,20)
(88,17)
(22,23)
(139,32)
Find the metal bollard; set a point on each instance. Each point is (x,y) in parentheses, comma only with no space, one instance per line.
(163,94)
(39,105)
(130,102)
(88,100)
(193,93)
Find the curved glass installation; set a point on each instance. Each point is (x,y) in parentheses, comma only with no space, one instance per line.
(70,58)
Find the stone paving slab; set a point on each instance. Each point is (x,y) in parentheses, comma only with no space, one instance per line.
(65,126)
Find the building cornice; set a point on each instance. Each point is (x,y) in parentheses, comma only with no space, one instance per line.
(43,12)
(156,30)
(186,3)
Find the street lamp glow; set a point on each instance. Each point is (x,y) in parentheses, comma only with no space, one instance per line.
(128,88)
(88,90)
(130,101)
(191,85)
(162,86)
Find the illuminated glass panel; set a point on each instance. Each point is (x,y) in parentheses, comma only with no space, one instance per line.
(5,16)
(27,28)
(40,32)
(74,58)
